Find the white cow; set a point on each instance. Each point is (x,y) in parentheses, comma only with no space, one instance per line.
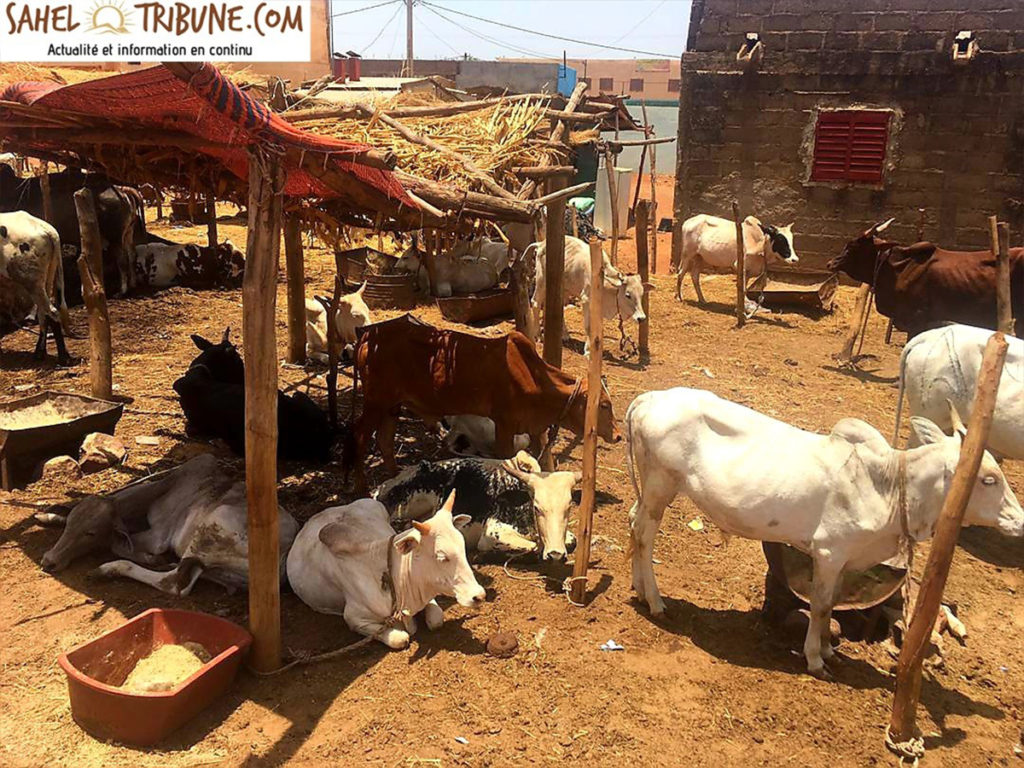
(710,242)
(836,497)
(470,435)
(941,366)
(473,265)
(193,511)
(349,561)
(353,314)
(622,293)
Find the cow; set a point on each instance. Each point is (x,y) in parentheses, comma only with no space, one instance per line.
(212,395)
(473,265)
(710,242)
(622,294)
(193,514)
(469,435)
(30,260)
(432,372)
(922,286)
(161,265)
(116,212)
(847,498)
(350,561)
(941,366)
(512,505)
(352,315)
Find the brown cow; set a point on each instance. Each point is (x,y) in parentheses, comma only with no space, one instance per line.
(434,372)
(922,286)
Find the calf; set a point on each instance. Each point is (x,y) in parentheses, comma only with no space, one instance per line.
(352,315)
(30,258)
(710,242)
(845,498)
(469,435)
(512,505)
(212,395)
(192,513)
(161,265)
(622,294)
(941,366)
(473,265)
(350,561)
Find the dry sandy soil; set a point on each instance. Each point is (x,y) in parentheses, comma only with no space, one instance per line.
(712,684)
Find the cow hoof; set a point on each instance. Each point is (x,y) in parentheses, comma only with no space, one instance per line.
(433,616)
(396,639)
(822,673)
(105,572)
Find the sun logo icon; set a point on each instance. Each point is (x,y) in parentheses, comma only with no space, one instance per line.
(109,17)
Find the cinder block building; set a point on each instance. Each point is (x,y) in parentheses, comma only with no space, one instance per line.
(854,111)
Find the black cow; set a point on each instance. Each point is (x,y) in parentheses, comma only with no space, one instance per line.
(117,209)
(212,395)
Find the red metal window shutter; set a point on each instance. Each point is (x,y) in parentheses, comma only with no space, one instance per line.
(849,145)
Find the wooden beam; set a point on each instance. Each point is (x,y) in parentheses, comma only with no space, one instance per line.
(554,270)
(543,171)
(584,529)
(350,112)
(1000,232)
(613,201)
(616,145)
(653,218)
(90,268)
(563,193)
(259,299)
(741,268)
(929,597)
(469,203)
(296,293)
(643,216)
(557,136)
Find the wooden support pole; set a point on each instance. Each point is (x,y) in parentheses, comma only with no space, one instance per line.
(90,268)
(741,269)
(575,215)
(1000,232)
(584,529)
(333,351)
(845,355)
(613,201)
(296,282)
(554,269)
(929,597)
(519,283)
(643,220)
(44,187)
(259,299)
(211,220)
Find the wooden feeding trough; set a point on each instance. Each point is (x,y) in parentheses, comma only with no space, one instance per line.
(49,424)
(96,671)
(477,307)
(356,263)
(812,290)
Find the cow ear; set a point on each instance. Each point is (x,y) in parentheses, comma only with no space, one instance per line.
(577,478)
(201,343)
(926,430)
(408,541)
(3,232)
(461,521)
(650,287)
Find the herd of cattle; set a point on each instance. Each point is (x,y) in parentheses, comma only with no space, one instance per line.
(848,499)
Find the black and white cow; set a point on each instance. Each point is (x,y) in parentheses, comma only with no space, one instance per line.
(163,264)
(513,506)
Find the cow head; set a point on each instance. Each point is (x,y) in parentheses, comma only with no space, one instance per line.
(231,262)
(222,360)
(91,525)
(780,242)
(607,424)
(992,502)
(860,256)
(410,259)
(629,295)
(552,501)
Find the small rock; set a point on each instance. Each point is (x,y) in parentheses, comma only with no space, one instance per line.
(791,361)
(61,468)
(100,451)
(502,645)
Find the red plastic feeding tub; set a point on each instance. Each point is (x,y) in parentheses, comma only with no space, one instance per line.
(96,668)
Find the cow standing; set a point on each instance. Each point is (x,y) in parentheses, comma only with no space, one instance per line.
(922,286)
(844,498)
(710,242)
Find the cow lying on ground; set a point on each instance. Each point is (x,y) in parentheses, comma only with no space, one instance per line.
(473,265)
(212,395)
(941,366)
(622,294)
(709,242)
(836,497)
(350,561)
(30,259)
(512,505)
(161,265)
(431,372)
(469,435)
(922,286)
(192,514)
(352,315)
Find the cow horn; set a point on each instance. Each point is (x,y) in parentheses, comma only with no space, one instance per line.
(954,417)
(227,335)
(449,503)
(881,227)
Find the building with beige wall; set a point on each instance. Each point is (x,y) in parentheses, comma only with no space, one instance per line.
(653,80)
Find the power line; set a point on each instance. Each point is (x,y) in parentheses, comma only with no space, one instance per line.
(365,8)
(384,27)
(487,39)
(439,38)
(633,28)
(545,34)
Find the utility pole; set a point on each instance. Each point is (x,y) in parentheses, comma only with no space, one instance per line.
(408,38)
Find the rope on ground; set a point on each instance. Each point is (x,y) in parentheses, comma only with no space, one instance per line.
(567,588)
(566,584)
(909,752)
(303,659)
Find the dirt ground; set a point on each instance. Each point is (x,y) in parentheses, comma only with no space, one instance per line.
(712,684)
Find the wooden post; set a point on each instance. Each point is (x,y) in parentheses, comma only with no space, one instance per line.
(259,299)
(554,268)
(643,215)
(519,283)
(333,352)
(741,269)
(584,528)
(44,187)
(613,200)
(211,220)
(575,221)
(845,355)
(1001,251)
(929,597)
(295,268)
(90,268)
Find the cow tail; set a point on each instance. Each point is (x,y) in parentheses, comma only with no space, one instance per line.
(59,288)
(903,387)
(630,465)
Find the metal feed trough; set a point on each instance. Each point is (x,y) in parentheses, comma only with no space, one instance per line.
(34,429)
(813,290)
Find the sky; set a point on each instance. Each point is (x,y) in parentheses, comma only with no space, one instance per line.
(657,28)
